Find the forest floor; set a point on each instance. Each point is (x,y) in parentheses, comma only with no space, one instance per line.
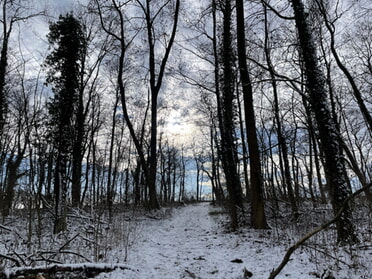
(193,242)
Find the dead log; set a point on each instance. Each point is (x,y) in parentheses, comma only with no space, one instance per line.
(89,270)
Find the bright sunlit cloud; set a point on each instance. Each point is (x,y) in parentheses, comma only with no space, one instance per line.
(176,126)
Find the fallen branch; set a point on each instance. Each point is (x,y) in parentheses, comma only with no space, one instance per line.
(91,270)
(68,242)
(19,257)
(10,259)
(293,248)
(191,274)
(13,230)
(42,253)
(47,261)
(5,228)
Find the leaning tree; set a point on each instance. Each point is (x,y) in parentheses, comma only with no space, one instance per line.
(330,139)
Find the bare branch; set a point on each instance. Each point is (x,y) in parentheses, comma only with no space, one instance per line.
(293,248)
(278,13)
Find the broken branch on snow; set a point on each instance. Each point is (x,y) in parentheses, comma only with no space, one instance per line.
(88,268)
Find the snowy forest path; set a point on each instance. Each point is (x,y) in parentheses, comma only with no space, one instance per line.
(186,243)
(192,242)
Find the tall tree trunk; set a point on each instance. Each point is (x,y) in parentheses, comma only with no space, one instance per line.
(79,140)
(214,140)
(77,156)
(12,176)
(60,187)
(227,126)
(244,147)
(156,80)
(258,217)
(314,145)
(328,133)
(3,64)
(11,180)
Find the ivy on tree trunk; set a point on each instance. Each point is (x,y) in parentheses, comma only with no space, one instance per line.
(329,136)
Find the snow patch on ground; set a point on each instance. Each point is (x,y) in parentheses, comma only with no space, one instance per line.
(193,244)
(187,242)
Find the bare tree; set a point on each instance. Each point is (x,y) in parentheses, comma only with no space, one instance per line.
(19,107)
(330,25)
(152,12)
(282,141)
(13,95)
(156,78)
(258,218)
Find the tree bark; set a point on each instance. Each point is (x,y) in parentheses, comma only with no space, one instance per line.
(227,125)
(60,188)
(3,64)
(77,155)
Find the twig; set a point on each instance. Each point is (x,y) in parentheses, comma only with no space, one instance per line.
(328,255)
(277,12)
(68,242)
(293,248)
(13,230)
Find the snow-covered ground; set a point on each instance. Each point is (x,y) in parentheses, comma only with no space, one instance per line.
(188,242)
(193,243)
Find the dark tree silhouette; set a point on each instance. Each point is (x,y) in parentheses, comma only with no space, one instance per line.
(66,37)
(258,218)
(157,68)
(227,124)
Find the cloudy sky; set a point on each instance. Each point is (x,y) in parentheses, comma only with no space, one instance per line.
(62,6)
(177,123)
